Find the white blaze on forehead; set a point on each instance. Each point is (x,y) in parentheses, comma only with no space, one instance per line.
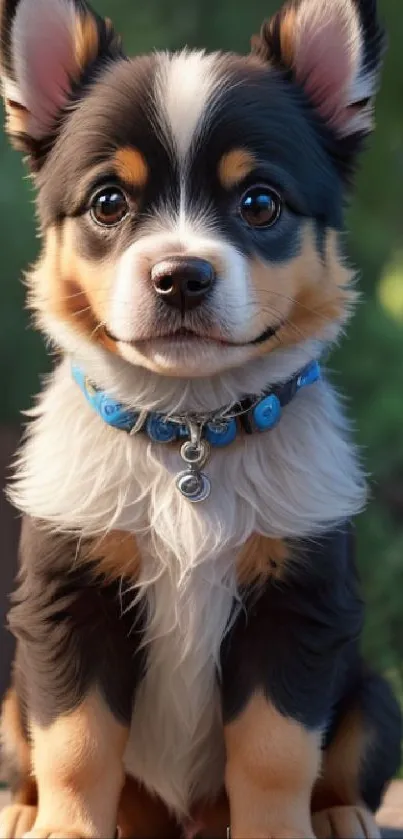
(185,83)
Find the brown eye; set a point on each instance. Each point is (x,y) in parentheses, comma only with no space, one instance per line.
(260,206)
(109,206)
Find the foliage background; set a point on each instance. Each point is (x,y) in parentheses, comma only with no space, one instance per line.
(369,364)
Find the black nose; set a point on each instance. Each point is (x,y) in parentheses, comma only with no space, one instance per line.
(183,282)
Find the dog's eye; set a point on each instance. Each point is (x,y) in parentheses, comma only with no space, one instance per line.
(109,206)
(260,206)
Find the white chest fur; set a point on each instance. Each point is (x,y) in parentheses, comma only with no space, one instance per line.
(79,474)
(176,740)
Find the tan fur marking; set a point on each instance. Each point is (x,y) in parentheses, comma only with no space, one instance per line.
(17,118)
(339,783)
(78,763)
(308,294)
(116,555)
(234,166)
(17,750)
(70,287)
(272,764)
(12,736)
(131,167)
(287,36)
(16,820)
(86,41)
(260,559)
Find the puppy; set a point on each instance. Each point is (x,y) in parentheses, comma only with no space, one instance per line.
(187,610)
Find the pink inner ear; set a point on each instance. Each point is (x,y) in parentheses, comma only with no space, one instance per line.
(44,50)
(326,62)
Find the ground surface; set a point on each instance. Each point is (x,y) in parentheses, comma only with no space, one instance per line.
(390,817)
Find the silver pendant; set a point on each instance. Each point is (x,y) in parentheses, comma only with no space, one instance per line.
(193,484)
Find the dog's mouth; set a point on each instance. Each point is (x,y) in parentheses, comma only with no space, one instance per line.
(183,335)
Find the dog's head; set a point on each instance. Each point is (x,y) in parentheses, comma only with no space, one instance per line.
(191,204)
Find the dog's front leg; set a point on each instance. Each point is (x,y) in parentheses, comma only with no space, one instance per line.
(77,761)
(78,670)
(283,663)
(272,764)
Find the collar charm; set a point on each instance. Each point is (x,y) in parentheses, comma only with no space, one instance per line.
(198,433)
(193,483)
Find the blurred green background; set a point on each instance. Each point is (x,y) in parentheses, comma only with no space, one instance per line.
(369,364)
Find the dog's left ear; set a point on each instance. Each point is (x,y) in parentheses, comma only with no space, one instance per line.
(333,49)
(49,50)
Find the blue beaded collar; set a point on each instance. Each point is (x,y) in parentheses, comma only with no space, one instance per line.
(219,429)
(196,432)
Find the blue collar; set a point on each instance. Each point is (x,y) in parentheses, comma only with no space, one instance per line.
(220,428)
(196,432)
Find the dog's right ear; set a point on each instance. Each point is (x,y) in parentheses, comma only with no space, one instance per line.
(49,50)
(333,49)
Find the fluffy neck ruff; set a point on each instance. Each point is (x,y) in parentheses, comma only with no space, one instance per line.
(78,474)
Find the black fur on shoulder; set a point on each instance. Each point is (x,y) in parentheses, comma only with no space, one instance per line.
(74,631)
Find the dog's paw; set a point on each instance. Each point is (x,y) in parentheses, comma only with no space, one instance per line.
(16,820)
(345,823)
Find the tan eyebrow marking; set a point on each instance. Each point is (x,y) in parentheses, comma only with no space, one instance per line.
(234,166)
(131,166)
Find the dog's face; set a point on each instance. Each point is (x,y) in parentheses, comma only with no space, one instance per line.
(190,204)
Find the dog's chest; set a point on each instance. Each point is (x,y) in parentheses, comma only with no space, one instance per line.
(176,740)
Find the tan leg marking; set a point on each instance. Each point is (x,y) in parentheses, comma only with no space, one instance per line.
(78,764)
(131,167)
(272,764)
(260,559)
(16,820)
(345,823)
(13,740)
(235,166)
(336,800)
(17,750)
(339,783)
(115,555)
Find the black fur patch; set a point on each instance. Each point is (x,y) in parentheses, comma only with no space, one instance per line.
(374,34)
(383,721)
(298,640)
(74,631)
